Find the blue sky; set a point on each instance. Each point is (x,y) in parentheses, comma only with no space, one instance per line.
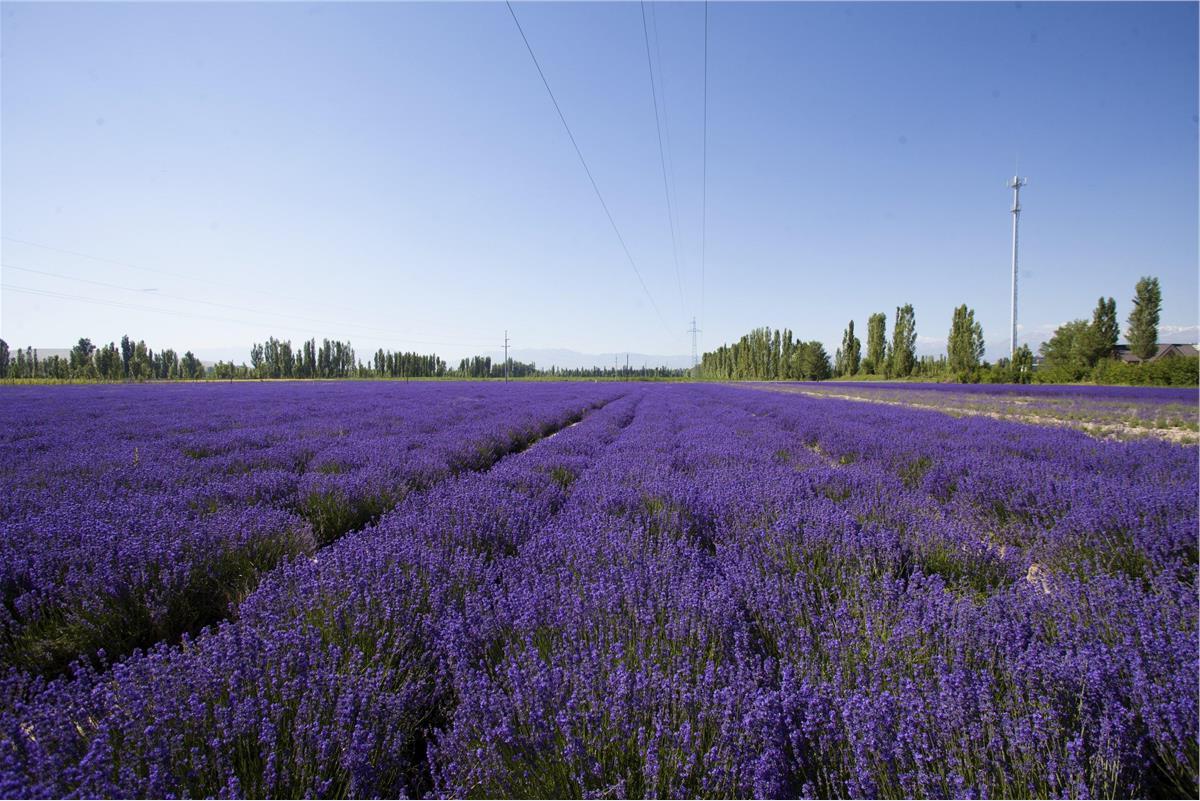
(395,173)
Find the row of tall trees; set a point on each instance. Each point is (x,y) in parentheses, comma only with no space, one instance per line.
(619,373)
(407,364)
(85,361)
(279,359)
(763,355)
(766,355)
(477,367)
(1077,350)
(895,359)
(484,367)
(276,358)
(333,359)
(1072,352)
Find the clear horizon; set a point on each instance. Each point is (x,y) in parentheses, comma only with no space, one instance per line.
(203,176)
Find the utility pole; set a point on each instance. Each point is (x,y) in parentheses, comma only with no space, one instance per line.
(693,331)
(1015,185)
(506,356)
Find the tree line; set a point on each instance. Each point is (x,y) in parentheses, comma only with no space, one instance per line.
(897,357)
(766,355)
(280,359)
(277,358)
(131,361)
(484,367)
(1078,351)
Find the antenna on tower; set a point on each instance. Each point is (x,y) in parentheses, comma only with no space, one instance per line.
(693,331)
(1015,185)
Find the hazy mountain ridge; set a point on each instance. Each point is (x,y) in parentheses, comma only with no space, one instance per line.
(566,359)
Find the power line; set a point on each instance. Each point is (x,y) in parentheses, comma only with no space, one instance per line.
(681,254)
(693,331)
(583,161)
(138,307)
(704,172)
(157,271)
(271,294)
(116,304)
(108,261)
(662,158)
(258,312)
(666,114)
(506,355)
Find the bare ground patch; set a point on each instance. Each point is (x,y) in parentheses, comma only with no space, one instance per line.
(1101,430)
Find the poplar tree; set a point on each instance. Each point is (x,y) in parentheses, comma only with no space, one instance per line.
(964,348)
(1104,320)
(126,354)
(776,357)
(1143,320)
(1104,330)
(81,359)
(139,363)
(904,341)
(876,343)
(1022,365)
(850,353)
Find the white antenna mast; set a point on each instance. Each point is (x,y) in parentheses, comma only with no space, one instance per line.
(1015,184)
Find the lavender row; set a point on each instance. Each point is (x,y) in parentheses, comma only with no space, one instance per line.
(134,514)
(332,676)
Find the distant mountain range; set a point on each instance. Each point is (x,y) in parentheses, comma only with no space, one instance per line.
(546,358)
(46,353)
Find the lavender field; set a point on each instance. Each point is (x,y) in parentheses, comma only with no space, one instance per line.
(1116,412)
(586,589)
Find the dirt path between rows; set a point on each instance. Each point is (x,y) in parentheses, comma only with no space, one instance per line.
(1117,431)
